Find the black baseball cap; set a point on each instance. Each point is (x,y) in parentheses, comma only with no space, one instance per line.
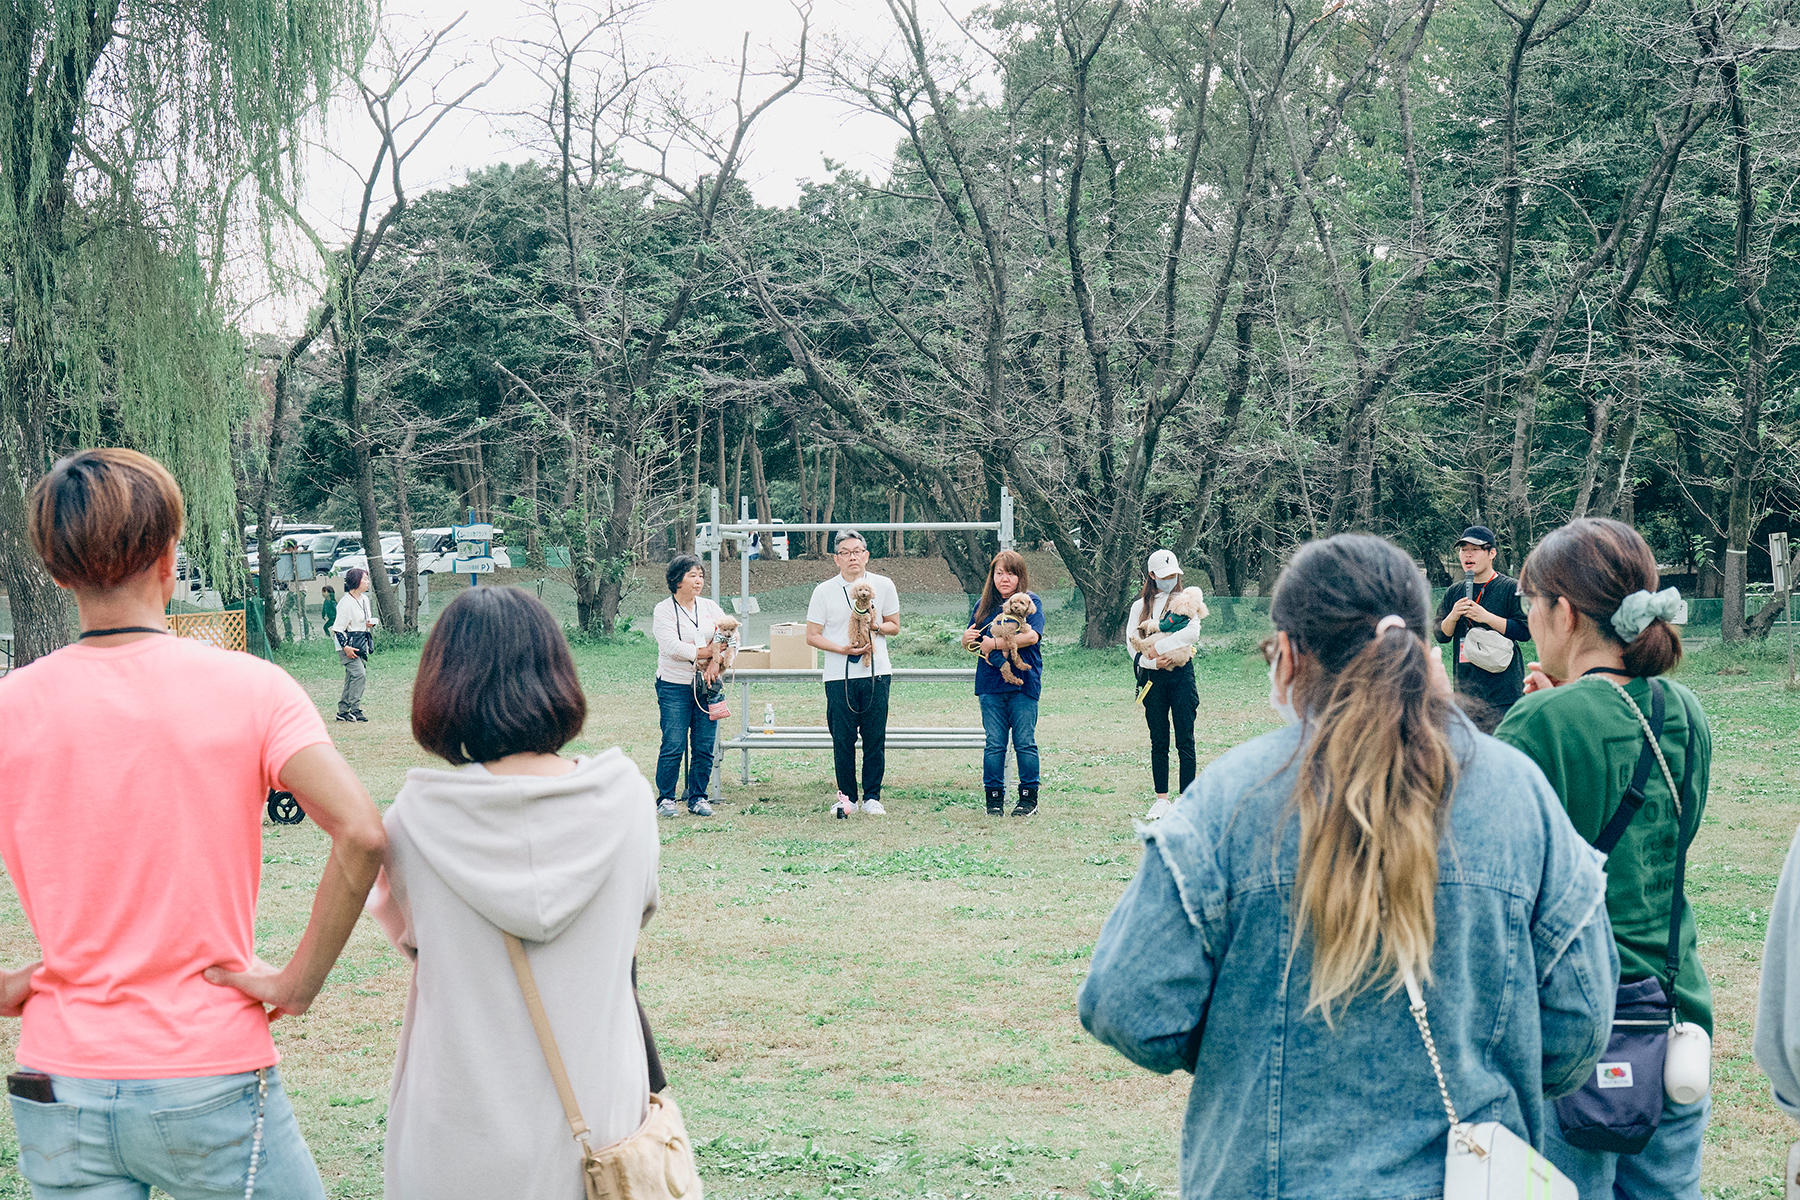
(1477,535)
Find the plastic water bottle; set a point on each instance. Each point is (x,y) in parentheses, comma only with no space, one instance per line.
(768,720)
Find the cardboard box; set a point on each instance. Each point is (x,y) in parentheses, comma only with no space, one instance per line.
(751,658)
(788,650)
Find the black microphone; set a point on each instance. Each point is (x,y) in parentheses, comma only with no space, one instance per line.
(1469,585)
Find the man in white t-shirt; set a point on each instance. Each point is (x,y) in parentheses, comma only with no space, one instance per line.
(857,678)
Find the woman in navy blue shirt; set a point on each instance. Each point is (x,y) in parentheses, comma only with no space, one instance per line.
(1008,708)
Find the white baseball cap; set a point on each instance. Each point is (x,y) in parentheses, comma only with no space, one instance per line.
(1162,564)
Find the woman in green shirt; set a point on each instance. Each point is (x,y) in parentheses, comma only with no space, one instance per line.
(1600,625)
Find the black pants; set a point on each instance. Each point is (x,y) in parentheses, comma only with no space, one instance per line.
(1172,695)
(859,706)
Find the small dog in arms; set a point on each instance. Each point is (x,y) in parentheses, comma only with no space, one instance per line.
(1184,606)
(725,638)
(862,614)
(1013,619)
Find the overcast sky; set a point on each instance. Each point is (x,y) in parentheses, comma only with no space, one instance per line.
(702,37)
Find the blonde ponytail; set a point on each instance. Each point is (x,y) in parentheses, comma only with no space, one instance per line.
(1377,770)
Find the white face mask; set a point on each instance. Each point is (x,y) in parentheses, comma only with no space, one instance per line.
(1282,704)
(1166,585)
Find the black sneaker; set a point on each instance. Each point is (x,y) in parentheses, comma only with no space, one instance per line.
(1027,805)
(345,717)
(357,715)
(996,802)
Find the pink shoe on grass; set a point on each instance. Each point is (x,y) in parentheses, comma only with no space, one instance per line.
(844,807)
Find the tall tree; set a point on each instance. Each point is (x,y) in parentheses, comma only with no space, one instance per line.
(223,81)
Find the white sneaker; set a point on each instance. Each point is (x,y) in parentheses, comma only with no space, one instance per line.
(873,807)
(1159,809)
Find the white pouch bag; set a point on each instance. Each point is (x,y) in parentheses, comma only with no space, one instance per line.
(1488,649)
(1487,1161)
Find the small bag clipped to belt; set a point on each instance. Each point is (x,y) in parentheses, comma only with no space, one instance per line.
(1650,1053)
(656,1162)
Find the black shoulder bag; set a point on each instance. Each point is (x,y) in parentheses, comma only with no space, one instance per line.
(1618,1109)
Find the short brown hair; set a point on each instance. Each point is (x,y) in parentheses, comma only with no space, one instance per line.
(496,679)
(1594,563)
(102,516)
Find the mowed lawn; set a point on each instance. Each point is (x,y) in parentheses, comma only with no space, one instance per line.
(885,1007)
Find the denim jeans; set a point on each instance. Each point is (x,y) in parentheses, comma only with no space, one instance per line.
(112,1139)
(684,725)
(1004,713)
(1667,1169)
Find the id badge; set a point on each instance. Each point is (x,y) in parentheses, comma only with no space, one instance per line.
(1462,651)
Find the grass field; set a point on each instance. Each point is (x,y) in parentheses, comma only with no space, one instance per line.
(884,1007)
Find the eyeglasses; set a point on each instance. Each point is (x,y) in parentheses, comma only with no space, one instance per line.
(853,552)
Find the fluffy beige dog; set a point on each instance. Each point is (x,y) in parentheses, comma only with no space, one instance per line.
(862,613)
(1013,619)
(723,633)
(1185,603)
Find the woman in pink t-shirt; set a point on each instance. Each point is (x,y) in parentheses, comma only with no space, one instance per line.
(136,765)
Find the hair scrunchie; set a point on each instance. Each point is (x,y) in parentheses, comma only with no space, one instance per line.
(1639,609)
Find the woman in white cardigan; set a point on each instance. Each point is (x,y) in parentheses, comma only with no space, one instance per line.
(1165,677)
(559,852)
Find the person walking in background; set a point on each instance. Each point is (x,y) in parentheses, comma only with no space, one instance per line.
(1165,674)
(1603,634)
(1008,709)
(1377,840)
(559,853)
(328,606)
(1482,617)
(135,768)
(684,626)
(353,628)
(857,677)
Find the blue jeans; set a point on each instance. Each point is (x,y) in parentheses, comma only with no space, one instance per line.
(1667,1169)
(111,1139)
(1004,713)
(683,723)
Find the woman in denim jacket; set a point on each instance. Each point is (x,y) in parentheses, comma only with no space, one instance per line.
(1262,945)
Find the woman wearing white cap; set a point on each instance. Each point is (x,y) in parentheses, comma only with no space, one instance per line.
(1165,672)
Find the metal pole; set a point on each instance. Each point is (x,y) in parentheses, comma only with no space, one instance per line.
(716,539)
(744,590)
(1006,519)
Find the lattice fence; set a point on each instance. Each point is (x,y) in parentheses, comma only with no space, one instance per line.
(222,629)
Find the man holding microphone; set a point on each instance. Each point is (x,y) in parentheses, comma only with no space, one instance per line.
(1481,617)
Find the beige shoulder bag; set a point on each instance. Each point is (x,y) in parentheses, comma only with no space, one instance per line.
(655,1163)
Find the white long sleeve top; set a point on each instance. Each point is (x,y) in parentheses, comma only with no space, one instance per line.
(354,614)
(679,632)
(1169,641)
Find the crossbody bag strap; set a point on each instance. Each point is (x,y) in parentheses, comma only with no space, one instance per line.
(1682,840)
(1634,795)
(540,1021)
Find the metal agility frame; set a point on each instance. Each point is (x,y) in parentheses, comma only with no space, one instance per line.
(713,534)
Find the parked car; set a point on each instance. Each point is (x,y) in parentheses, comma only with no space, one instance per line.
(779,541)
(437,551)
(391,557)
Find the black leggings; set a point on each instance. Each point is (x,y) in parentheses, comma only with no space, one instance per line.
(1172,695)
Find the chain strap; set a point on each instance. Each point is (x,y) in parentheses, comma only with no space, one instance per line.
(256,1142)
(1458,1132)
(1644,724)
(1417,1006)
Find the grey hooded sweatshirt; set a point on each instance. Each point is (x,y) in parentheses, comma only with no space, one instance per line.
(568,864)
(1776,1044)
